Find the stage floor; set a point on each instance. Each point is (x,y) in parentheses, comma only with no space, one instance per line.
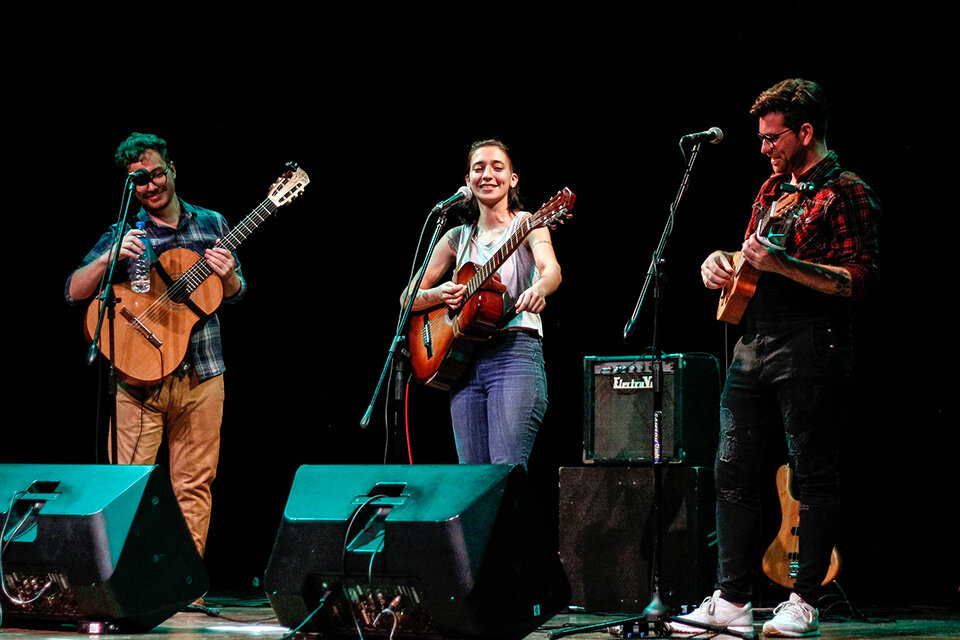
(251,618)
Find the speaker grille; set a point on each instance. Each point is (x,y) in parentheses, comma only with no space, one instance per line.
(618,409)
(608,534)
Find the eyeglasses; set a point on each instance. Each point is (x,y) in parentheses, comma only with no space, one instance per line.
(159,176)
(772,137)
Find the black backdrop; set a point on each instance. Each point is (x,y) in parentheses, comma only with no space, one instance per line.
(381,119)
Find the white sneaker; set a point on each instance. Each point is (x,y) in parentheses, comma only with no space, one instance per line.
(717,612)
(793,619)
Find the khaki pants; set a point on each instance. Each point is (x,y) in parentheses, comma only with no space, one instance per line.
(190,412)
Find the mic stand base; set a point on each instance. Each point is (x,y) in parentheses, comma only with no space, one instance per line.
(600,626)
(648,627)
(714,629)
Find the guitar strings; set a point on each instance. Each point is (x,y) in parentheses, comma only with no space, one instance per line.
(508,247)
(199,271)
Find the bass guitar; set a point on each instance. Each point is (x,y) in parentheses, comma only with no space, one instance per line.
(737,294)
(442,341)
(153,328)
(781,560)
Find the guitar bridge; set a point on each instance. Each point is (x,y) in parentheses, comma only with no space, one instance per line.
(142,328)
(425,336)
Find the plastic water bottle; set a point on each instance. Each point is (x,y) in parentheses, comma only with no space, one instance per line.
(140,266)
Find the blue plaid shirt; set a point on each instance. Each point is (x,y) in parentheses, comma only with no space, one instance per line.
(197,230)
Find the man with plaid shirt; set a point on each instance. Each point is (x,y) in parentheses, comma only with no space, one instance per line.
(791,368)
(188,403)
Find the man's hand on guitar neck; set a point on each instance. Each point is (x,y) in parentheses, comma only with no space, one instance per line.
(223,264)
(717,270)
(832,280)
(762,256)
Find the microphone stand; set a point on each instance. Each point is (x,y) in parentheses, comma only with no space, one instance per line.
(656,613)
(399,337)
(108,304)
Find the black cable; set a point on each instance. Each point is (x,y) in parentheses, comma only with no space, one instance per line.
(343,564)
(3,547)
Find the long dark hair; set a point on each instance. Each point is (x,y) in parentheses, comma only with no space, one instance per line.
(469,212)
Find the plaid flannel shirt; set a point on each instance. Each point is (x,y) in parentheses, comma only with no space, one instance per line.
(197,230)
(838,226)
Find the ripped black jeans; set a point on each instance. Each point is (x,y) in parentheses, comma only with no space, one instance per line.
(789,378)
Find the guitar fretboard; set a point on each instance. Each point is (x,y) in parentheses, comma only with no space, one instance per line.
(200,271)
(496,261)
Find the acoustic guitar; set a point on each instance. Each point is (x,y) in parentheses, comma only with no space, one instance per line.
(153,328)
(781,560)
(735,297)
(442,341)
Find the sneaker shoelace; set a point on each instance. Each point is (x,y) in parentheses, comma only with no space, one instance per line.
(709,605)
(796,610)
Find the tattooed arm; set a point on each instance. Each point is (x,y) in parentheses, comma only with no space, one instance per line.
(534,298)
(827,279)
(443,258)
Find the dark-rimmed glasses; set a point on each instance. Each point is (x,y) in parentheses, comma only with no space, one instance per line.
(159,176)
(772,137)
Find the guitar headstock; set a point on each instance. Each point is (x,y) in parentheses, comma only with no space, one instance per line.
(288,186)
(555,210)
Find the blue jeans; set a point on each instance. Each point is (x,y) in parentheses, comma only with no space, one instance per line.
(498,406)
(789,380)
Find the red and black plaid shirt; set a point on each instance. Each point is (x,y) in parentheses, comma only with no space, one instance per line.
(838,226)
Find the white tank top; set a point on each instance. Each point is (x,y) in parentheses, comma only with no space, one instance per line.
(518,272)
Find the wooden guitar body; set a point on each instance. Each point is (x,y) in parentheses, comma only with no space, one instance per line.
(735,297)
(443,341)
(153,329)
(781,560)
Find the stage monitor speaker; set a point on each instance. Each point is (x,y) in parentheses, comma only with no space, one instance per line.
(607,535)
(437,550)
(618,409)
(102,547)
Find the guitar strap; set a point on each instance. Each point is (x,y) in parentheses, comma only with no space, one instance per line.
(465,253)
(775,228)
(168,281)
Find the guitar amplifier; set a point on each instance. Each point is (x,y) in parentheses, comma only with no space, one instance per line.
(618,409)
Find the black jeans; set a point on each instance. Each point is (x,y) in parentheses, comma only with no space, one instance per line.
(789,377)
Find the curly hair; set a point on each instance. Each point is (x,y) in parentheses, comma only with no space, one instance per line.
(799,101)
(133,148)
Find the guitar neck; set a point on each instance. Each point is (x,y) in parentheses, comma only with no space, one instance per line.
(496,261)
(200,271)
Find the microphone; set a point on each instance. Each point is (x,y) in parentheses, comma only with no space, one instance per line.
(712,135)
(462,195)
(139,177)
